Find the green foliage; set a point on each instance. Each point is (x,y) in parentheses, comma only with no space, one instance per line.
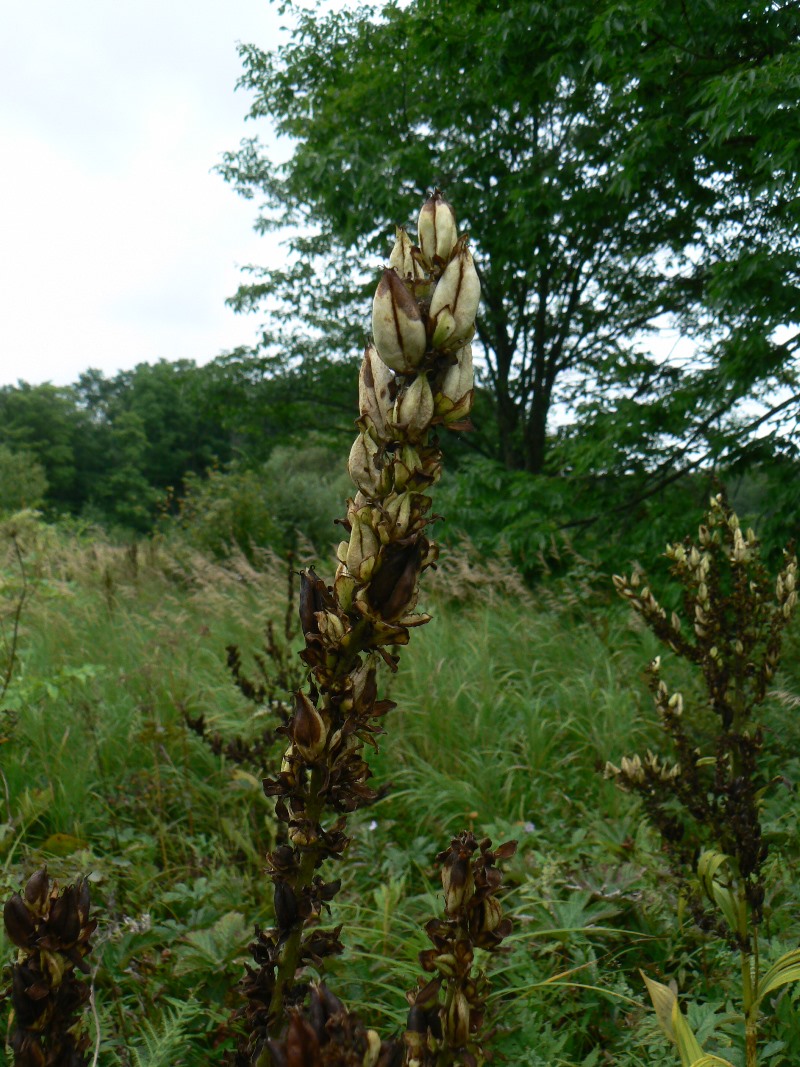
(163,1045)
(508,707)
(273,506)
(23,482)
(115,450)
(172,405)
(265,401)
(618,174)
(46,422)
(122,495)
(549,524)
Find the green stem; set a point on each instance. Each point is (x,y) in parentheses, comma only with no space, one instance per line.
(746,942)
(749,987)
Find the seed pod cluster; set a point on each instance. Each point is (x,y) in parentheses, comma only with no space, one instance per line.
(326,1034)
(51,931)
(416,376)
(447,1011)
(734,620)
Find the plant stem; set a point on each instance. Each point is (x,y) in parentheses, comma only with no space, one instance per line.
(749,987)
(12,652)
(746,941)
(291,947)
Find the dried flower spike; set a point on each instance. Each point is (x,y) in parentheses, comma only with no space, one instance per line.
(351,624)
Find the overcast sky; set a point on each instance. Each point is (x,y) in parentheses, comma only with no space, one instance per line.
(118,245)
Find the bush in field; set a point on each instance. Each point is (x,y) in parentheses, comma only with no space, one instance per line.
(250,508)
(23,483)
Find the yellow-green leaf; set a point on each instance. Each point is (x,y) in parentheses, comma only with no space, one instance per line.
(688,1046)
(783,971)
(710,862)
(673,1022)
(663,1000)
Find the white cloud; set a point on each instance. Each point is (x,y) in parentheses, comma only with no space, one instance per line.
(117,244)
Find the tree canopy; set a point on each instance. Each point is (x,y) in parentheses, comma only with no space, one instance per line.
(621,167)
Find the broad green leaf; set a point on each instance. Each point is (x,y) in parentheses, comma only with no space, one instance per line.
(663,1000)
(672,1021)
(688,1045)
(783,971)
(709,864)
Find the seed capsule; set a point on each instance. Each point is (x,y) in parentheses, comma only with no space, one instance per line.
(458,290)
(374,390)
(36,890)
(397,325)
(373,1049)
(453,401)
(18,921)
(362,467)
(309,731)
(457,881)
(361,550)
(457,1022)
(413,409)
(437,230)
(402,258)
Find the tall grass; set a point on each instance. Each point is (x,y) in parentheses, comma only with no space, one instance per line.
(505,712)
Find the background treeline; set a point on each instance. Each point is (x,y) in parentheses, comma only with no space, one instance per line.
(224,452)
(125,452)
(629,174)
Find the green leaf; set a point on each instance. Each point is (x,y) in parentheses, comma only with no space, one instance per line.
(674,1025)
(709,864)
(783,971)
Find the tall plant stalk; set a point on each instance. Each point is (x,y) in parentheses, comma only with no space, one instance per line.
(707,804)
(416,377)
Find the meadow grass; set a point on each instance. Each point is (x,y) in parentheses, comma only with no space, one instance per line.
(509,702)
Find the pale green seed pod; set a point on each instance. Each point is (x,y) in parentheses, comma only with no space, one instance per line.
(405,464)
(490,915)
(373,1052)
(445,964)
(331,627)
(437,230)
(361,550)
(453,400)
(397,325)
(361,465)
(413,409)
(402,258)
(345,585)
(458,290)
(458,883)
(398,510)
(374,390)
(444,329)
(457,1020)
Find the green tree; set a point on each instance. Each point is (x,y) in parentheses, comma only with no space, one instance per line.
(45,421)
(620,166)
(263,401)
(122,493)
(23,483)
(172,405)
